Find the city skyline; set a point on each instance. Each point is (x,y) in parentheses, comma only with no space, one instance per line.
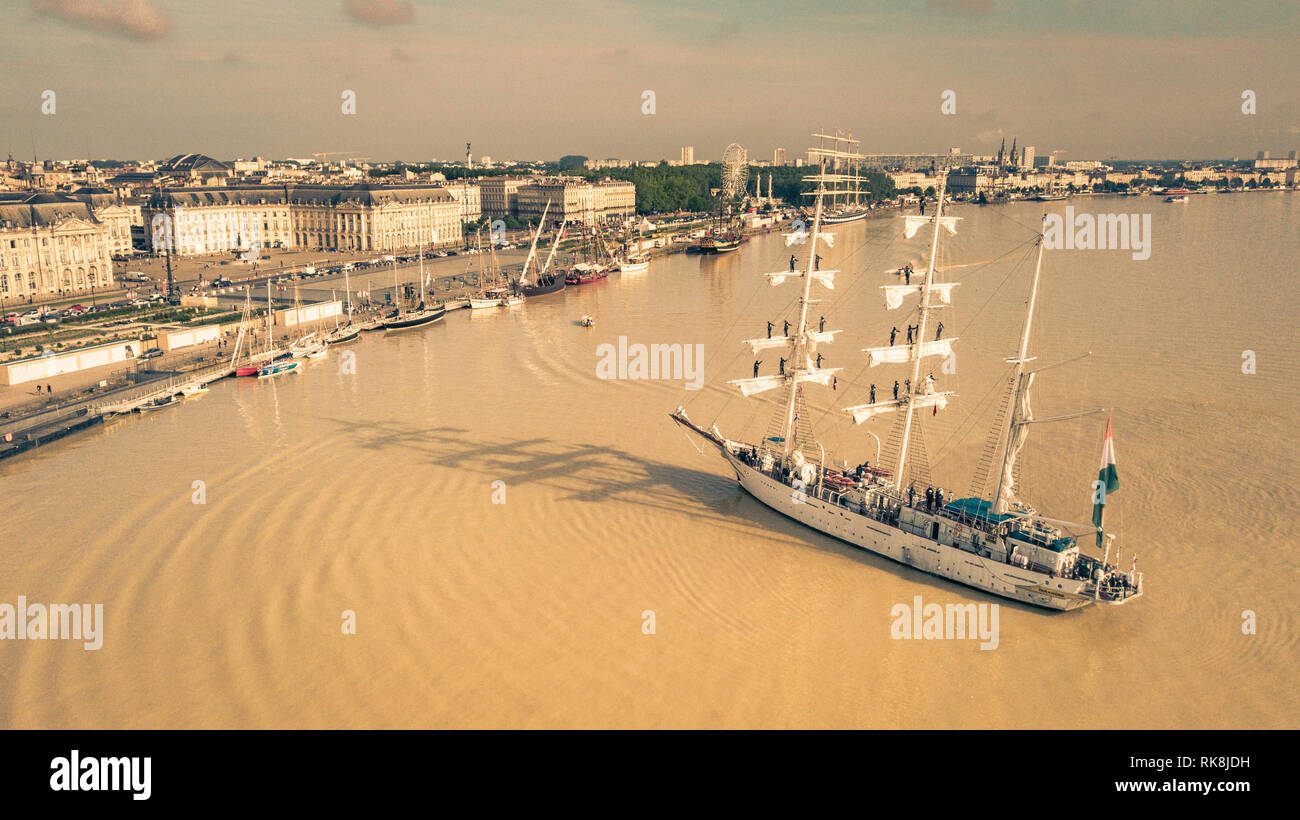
(148,79)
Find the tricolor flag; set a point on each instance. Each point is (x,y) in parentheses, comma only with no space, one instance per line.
(1107,482)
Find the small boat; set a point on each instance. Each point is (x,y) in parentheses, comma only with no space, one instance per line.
(491,298)
(1049,197)
(191,390)
(307,347)
(276,368)
(634,262)
(1176,199)
(158,403)
(587,321)
(345,333)
(511,300)
(250,370)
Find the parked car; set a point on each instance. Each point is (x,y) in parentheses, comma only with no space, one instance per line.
(151,353)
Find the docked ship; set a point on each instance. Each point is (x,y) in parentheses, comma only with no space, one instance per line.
(494,289)
(721,236)
(999,545)
(254,361)
(593,267)
(840,172)
(544,280)
(422,314)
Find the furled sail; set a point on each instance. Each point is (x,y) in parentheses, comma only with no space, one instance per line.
(1019,432)
(894,294)
(913,222)
(773,343)
(826,277)
(900,354)
(864,412)
(822,376)
(749,387)
(817,337)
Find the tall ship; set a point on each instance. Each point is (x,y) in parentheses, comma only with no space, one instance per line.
(540,281)
(999,545)
(839,177)
(722,235)
(595,264)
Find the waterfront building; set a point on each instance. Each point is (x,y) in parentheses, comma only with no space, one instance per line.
(470,197)
(500,196)
(362,217)
(688,155)
(1027,158)
(576,200)
(51,244)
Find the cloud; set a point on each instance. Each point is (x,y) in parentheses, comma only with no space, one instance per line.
(135,19)
(380,12)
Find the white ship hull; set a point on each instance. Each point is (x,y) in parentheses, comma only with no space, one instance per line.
(949,562)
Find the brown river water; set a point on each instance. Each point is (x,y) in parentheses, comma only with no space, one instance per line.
(372,492)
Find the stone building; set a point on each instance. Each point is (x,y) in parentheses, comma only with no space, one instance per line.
(361,217)
(51,244)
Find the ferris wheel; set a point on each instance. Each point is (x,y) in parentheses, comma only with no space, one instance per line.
(735,171)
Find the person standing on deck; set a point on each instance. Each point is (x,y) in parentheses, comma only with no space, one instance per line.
(782,367)
(907,275)
(911,495)
(938,331)
(769,330)
(893,333)
(821,324)
(792,263)
(895,389)
(819,360)
(817,261)
(929,498)
(756,364)
(872,400)
(909,334)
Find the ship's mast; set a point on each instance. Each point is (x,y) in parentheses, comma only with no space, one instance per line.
(1014,421)
(788,444)
(918,342)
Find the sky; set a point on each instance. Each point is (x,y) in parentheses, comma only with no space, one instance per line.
(148,79)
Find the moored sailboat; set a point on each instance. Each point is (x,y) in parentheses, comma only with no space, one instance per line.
(544,281)
(421,314)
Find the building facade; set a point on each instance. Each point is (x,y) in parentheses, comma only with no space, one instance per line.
(51,244)
(577,201)
(315,217)
(500,196)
